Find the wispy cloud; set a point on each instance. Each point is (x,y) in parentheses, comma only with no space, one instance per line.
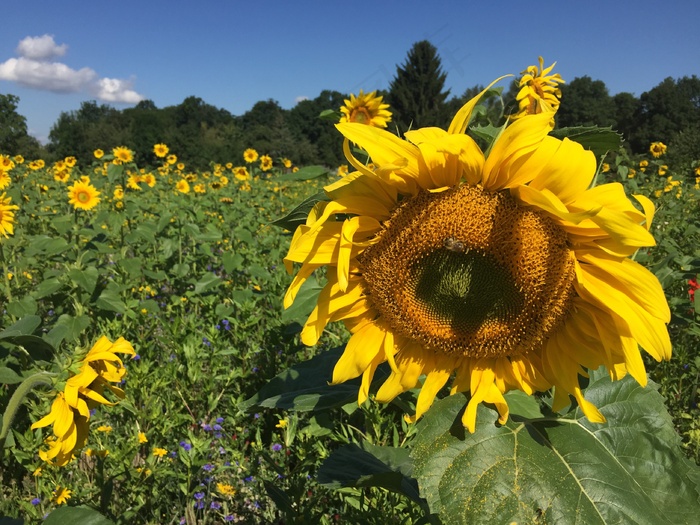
(36,68)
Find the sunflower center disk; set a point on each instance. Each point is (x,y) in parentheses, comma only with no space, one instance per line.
(469,272)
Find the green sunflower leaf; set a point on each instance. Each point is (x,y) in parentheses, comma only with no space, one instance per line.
(598,140)
(80,515)
(298,215)
(306,173)
(368,465)
(559,470)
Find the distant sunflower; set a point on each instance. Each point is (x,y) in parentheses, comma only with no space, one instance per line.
(539,91)
(265,163)
(5,180)
(366,108)
(508,271)
(98,154)
(182,186)
(657,149)
(161,150)
(123,154)
(83,195)
(7,216)
(250,155)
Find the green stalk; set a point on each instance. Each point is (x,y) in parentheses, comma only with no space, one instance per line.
(40,378)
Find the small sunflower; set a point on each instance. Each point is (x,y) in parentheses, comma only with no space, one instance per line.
(182,186)
(657,149)
(161,150)
(250,155)
(539,91)
(366,108)
(265,163)
(7,216)
(83,195)
(98,153)
(5,180)
(508,272)
(123,154)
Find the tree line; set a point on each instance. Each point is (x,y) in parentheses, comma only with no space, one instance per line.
(200,133)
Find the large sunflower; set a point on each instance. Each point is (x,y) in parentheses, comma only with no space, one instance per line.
(7,215)
(366,108)
(508,272)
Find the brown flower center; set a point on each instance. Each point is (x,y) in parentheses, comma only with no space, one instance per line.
(471,273)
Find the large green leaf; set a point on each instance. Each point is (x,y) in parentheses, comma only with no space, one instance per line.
(76,516)
(368,465)
(559,469)
(298,215)
(304,303)
(305,173)
(86,278)
(306,387)
(25,326)
(598,140)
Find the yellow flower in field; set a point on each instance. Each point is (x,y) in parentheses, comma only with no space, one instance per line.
(119,205)
(265,163)
(282,423)
(200,188)
(7,216)
(286,163)
(295,169)
(507,271)
(61,495)
(19,159)
(70,429)
(697,170)
(366,108)
(132,182)
(171,159)
(216,186)
(142,438)
(663,169)
(161,150)
(342,170)
(98,153)
(225,489)
(181,166)
(539,91)
(159,452)
(37,472)
(37,164)
(241,173)
(118,193)
(104,428)
(122,154)
(70,161)
(5,180)
(644,163)
(657,149)
(632,173)
(6,163)
(149,179)
(182,186)
(61,176)
(250,155)
(83,195)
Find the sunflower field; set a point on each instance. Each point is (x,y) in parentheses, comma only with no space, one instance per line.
(170,351)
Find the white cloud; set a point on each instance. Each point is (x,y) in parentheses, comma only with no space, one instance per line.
(40,48)
(35,68)
(115,90)
(300,99)
(49,76)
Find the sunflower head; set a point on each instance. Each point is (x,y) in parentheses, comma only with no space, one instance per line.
(366,108)
(539,91)
(504,272)
(657,149)
(7,215)
(83,195)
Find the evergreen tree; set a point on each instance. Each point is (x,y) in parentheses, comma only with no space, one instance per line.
(585,102)
(416,93)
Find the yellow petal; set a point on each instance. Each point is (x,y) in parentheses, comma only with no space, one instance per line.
(463,116)
(567,172)
(361,349)
(409,364)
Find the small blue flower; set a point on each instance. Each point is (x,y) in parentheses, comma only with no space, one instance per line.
(36,501)
(276,447)
(215,505)
(185,445)
(198,495)
(206,341)
(229,518)
(208,467)
(137,357)
(219,419)
(217,427)
(249,479)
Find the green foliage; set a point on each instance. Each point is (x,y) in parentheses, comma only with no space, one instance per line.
(587,103)
(416,94)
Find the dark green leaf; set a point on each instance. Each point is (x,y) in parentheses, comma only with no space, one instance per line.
(9,376)
(132,266)
(208,282)
(109,300)
(282,501)
(47,287)
(298,215)
(76,516)
(39,349)
(306,387)
(330,114)
(86,279)
(45,245)
(25,326)
(304,303)
(67,328)
(370,466)
(23,307)
(232,261)
(598,140)
(559,470)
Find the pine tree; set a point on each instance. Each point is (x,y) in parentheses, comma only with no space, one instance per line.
(416,93)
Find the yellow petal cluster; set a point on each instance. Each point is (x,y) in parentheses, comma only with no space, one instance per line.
(366,108)
(70,410)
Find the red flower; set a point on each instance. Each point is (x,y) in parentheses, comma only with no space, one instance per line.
(693,283)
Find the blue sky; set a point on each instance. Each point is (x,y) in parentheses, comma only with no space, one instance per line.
(56,54)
